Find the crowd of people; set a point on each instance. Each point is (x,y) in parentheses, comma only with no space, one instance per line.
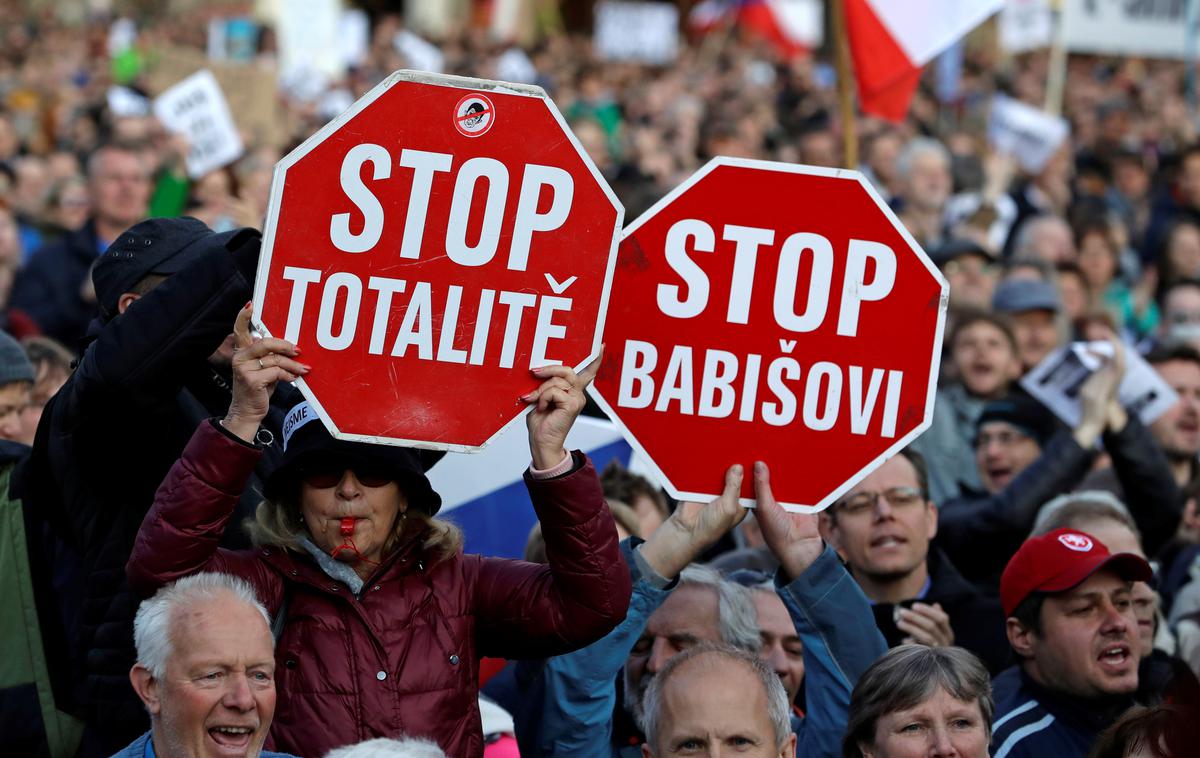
(195,567)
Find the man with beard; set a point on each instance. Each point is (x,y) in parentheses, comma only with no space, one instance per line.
(1072,626)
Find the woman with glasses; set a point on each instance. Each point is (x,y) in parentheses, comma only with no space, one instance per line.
(380,618)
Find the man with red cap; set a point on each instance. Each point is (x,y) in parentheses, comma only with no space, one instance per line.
(1072,629)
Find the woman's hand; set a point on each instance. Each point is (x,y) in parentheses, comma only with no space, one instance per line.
(258,364)
(556,405)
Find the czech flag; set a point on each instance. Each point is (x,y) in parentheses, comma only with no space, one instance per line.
(891,41)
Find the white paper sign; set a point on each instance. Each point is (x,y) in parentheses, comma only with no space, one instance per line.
(1151,28)
(196,107)
(643,32)
(514,66)
(1025,132)
(420,54)
(123,102)
(307,31)
(355,36)
(1056,382)
(1026,25)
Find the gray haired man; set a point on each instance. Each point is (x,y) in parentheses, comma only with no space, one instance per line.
(717,700)
(205,671)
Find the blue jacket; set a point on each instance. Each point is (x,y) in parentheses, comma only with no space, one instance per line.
(138,749)
(832,617)
(1032,721)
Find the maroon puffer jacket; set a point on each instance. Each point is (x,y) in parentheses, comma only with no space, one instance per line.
(403,657)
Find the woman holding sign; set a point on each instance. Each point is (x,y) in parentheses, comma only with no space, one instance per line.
(380,617)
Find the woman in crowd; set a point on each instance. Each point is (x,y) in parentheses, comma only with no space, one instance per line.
(918,701)
(380,617)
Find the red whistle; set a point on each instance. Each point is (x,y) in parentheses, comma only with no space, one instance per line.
(347,527)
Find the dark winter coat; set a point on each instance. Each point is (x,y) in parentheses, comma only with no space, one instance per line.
(980,532)
(403,655)
(50,286)
(103,446)
(975,616)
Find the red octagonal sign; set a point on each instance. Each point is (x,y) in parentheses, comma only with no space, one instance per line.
(429,246)
(771,312)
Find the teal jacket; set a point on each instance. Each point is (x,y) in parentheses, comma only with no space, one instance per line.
(832,617)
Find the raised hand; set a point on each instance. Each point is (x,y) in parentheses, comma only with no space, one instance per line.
(258,365)
(925,624)
(792,537)
(557,403)
(693,527)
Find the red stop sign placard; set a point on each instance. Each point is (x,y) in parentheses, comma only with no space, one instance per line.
(765,311)
(429,246)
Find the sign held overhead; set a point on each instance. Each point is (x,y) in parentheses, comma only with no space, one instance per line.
(427,248)
(771,312)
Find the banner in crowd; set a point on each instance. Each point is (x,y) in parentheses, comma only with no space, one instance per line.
(1151,29)
(1026,25)
(636,31)
(427,248)
(196,108)
(250,89)
(771,312)
(1024,132)
(1056,382)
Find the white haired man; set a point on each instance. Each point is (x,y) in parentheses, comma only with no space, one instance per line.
(716,700)
(205,671)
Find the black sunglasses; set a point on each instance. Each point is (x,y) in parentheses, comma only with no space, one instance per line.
(324,477)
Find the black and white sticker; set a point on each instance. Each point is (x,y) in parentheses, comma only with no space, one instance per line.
(474,115)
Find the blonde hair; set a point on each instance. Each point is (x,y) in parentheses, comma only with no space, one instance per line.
(278,523)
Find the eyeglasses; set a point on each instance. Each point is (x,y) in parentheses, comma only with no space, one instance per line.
(897,497)
(331,476)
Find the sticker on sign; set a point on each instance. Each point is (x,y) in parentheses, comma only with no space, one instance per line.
(423,273)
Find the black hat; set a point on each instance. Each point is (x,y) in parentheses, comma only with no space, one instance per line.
(307,444)
(956,248)
(1028,415)
(153,246)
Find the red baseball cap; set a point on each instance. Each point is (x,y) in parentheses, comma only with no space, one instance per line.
(1062,559)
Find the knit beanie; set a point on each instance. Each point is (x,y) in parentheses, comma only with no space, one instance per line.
(14,364)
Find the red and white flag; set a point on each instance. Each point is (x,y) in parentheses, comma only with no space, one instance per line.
(890,41)
(793,27)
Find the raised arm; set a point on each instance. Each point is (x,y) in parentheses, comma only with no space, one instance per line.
(580,696)
(831,614)
(161,338)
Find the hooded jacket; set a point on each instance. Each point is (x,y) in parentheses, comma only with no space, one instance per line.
(103,446)
(402,656)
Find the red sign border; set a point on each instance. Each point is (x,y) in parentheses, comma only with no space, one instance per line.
(643,456)
(276,198)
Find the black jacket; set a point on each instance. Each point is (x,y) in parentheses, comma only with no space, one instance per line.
(49,288)
(975,616)
(981,532)
(105,443)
